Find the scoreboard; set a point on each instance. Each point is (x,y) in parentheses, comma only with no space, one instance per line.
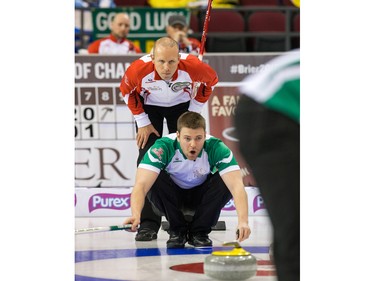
(100,113)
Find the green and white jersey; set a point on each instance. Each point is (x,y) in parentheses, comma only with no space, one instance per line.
(277,87)
(166,154)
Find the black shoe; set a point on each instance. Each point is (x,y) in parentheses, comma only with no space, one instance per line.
(199,240)
(146,234)
(176,240)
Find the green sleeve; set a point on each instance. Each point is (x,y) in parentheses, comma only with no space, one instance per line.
(219,155)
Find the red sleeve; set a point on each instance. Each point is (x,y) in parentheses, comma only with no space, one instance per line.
(134,47)
(137,49)
(131,84)
(195,44)
(201,72)
(93,48)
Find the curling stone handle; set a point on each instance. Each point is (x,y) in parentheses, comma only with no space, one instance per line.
(235,244)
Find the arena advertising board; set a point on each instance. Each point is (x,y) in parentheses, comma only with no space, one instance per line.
(146,24)
(102,202)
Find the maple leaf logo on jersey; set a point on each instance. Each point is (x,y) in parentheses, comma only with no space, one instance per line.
(158,152)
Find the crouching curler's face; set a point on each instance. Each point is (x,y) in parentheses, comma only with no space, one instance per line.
(191,141)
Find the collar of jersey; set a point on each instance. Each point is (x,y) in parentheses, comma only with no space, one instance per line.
(114,39)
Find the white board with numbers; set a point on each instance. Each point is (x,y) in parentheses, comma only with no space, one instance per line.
(104,137)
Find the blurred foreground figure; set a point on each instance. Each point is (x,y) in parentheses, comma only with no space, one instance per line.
(268,128)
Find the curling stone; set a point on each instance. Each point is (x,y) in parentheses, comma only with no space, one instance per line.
(236,264)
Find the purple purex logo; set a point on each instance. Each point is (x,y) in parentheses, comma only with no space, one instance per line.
(258,203)
(109,201)
(229,206)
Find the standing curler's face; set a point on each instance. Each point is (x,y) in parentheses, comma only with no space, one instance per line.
(166,60)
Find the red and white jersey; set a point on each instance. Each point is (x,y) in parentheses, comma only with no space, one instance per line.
(141,79)
(111,46)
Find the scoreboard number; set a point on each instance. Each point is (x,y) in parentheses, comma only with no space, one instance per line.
(101,114)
